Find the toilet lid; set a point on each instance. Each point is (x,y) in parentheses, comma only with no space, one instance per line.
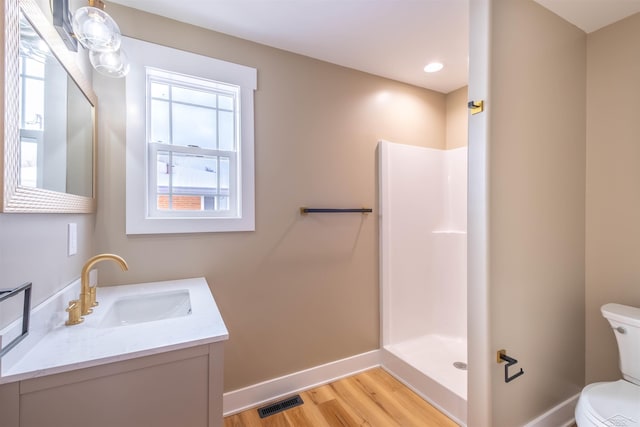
(613,403)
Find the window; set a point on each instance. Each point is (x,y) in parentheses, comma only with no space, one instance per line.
(32,71)
(189,142)
(193,139)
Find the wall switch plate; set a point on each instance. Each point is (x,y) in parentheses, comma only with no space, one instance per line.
(72,239)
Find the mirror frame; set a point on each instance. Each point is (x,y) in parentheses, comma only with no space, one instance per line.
(14,197)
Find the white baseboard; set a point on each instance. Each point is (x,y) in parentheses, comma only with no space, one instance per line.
(561,415)
(239,400)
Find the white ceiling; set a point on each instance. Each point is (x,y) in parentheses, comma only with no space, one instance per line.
(389,38)
(591,15)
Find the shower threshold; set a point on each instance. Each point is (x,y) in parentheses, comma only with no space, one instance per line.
(426,365)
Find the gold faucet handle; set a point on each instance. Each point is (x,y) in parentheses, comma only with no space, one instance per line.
(74,313)
(92,296)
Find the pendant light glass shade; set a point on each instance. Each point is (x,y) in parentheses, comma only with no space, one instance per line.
(96,30)
(111,64)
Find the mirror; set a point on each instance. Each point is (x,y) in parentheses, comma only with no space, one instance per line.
(50,110)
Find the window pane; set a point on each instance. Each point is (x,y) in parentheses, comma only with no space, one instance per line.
(194,96)
(28,163)
(160,122)
(177,202)
(33,104)
(34,68)
(226,130)
(224,175)
(186,181)
(194,126)
(223,203)
(163,178)
(209,203)
(225,102)
(159,90)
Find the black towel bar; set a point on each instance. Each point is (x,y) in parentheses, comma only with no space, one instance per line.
(305,211)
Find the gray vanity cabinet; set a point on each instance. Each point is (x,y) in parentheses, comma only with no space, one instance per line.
(177,388)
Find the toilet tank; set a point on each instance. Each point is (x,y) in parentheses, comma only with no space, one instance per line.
(625,321)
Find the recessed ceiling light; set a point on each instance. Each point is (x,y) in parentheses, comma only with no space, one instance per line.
(433,67)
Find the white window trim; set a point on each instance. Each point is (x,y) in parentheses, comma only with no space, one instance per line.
(141,55)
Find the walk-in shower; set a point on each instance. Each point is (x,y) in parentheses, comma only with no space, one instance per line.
(423,248)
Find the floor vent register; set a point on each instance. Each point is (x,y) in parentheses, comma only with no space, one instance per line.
(280,406)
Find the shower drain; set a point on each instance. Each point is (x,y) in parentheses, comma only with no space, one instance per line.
(460,365)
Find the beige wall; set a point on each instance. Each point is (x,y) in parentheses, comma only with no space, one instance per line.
(33,248)
(536,207)
(613,183)
(457,118)
(299,291)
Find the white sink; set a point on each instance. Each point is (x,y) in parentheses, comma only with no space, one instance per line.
(147,307)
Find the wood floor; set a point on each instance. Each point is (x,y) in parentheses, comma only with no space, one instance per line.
(372,398)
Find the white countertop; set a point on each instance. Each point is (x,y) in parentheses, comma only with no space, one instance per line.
(53,347)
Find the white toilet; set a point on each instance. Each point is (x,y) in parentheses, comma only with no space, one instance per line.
(616,403)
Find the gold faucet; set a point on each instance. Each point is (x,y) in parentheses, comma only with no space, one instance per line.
(88,293)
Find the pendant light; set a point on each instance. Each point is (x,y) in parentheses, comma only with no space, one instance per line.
(95,30)
(111,64)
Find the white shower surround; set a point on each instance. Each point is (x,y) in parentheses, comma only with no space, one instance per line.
(423,249)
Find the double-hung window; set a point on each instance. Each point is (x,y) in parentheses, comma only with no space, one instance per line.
(190,129)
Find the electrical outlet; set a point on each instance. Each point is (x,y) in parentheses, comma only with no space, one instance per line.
(72,238)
